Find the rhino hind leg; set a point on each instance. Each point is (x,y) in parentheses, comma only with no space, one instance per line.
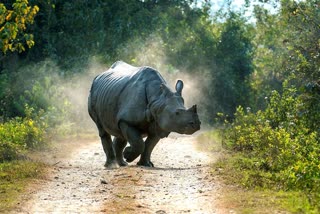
(133,136)
(106,141)
(118,145)
(150,143)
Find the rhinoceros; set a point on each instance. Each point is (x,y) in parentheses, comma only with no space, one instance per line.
(131,103)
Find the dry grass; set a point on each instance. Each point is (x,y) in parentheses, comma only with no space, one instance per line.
(15,177)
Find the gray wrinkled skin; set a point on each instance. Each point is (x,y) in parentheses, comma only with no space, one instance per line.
(130,103)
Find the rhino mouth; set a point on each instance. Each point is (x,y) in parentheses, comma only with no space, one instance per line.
(190,129)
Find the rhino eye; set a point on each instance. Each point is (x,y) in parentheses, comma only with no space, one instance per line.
(177,113)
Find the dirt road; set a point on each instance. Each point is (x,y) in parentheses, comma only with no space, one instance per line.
(180,182)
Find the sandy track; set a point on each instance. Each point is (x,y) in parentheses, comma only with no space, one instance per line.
(180,183)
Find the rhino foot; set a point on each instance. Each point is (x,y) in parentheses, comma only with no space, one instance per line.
(145,163)
(112,165)
(122,163)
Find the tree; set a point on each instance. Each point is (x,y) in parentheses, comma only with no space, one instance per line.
(13,26)
(230,84)
(287,49)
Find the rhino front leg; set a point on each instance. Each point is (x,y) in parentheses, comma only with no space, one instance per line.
(133,136)
(150,143)
(118,145)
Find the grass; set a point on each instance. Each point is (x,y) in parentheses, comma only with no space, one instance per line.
(14,179)
(252,191)
(265,201)
(248,190)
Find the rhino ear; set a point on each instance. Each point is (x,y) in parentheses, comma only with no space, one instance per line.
(179,87)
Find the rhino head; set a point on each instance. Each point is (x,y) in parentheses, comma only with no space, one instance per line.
(174,117)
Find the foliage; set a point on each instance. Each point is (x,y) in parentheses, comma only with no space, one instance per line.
(189,40)
(90,28)
(284,136)
(257,196)
(302,21)
(278,145)
(13,26)
(39,89)
(20,134)
(249,189)
(286,43)
(271,66)
(234,66)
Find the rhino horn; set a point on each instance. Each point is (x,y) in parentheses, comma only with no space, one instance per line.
(193,109)
(179,87)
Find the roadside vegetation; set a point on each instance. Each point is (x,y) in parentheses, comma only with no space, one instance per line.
(247,187)
(275,149)
(258,78)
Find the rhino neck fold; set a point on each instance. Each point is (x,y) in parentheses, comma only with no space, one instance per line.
(155,100)
(155,107)
(149,115)
(156,130)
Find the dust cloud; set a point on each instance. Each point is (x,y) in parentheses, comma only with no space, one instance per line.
(62,96)
(77,89)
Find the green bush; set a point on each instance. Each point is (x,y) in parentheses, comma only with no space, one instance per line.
(20,134)
(281,140)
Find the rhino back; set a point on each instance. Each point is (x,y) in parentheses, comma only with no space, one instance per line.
(120,94)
